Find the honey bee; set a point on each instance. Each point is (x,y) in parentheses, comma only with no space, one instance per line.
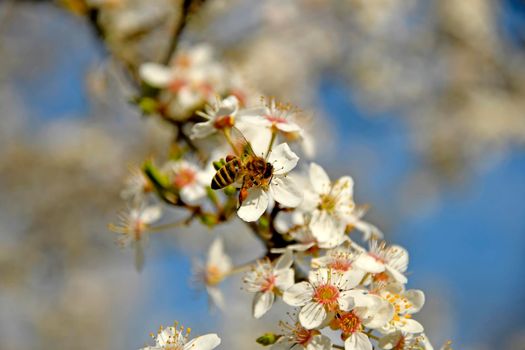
(245,166)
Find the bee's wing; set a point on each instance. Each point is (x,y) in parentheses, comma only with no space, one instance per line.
(242,146)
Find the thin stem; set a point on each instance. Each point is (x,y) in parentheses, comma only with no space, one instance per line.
(226,133)
(164,227)
(270,145)
(338,346)
(177,30)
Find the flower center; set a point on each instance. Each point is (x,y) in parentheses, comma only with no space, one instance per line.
(304,336)
(176,85)
(349,323)
(184,178)
(268,284)
(275,119)
(223,122)
(340,265)
(327,295)
(328,202)
(213,275)
(400,345)
(381,277)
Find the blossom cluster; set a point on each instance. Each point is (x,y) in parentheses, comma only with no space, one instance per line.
(251,161)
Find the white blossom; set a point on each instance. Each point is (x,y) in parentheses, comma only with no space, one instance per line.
(218,265)
(382,258)
(405,303)
(325,292)
(173,338)
(331,205)
(188,179)
(267,280)
(299,338)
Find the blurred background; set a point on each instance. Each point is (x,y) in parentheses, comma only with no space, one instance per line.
(421,101)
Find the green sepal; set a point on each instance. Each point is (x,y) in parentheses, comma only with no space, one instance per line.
(209,220)
(157,178)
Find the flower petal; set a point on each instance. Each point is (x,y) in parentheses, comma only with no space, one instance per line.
(319,342)
(262,302)
(285,191)
(312,315)
(324,227)
(416,298)
(410,326)
(151,214)
(202,130)
(285,261)
(254,205)
(368,263)
(358,341)
(284,279)
(283,159)
(155,75)
(298,294)
(204,342)
(319,179)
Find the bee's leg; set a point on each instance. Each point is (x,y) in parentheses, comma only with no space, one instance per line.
(243,193)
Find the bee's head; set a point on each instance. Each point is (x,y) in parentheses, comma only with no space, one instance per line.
(268,172)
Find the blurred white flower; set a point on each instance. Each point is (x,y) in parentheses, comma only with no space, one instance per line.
(136,186)
(132,226)
(267,280)
(188,179)
(210,274)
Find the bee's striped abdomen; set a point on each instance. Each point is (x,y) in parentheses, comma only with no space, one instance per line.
(226,175)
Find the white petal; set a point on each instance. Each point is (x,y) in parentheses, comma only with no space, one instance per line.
(319,342)
(155,75)
(358,341)
(351,279)
(151,214)
(204,342)
(202,130)
(410,326)
(319,179)
(229,106)
(416,298)
(216,297)
(398,276)
(344,186)
(262,302)
(284,279)
(283,159)
(298,294)
(390,340)
(346,301)
(285,191)
(285,261)
(324,227)
(217,257)
(254,205)
(379,313)
(367,263)
(192,194)
(312,315)
(318,277)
